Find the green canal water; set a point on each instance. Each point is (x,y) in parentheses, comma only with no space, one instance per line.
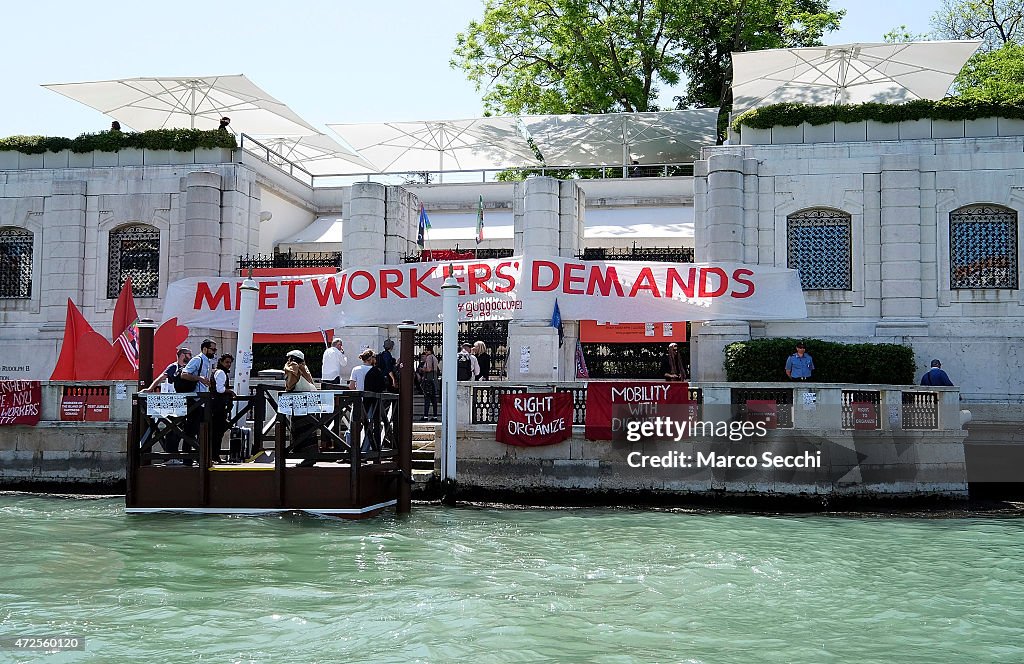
(509,585)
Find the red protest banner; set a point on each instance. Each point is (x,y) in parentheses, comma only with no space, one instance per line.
(20,402)
(641,400)
(530,420)
(763,410)
(865,417)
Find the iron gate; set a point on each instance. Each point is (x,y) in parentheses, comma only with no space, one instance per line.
(494,333)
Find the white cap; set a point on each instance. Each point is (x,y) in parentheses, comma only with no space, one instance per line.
(336,340)
(297,354)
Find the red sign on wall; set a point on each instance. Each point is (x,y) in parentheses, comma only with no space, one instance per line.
(625,333)
(641,400)
(763,410)
(530,420)
(865,416)
(21,402)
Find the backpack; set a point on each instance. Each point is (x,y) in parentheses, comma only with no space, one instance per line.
(181,384)
(464,368)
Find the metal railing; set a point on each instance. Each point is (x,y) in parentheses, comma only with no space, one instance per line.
(254,147)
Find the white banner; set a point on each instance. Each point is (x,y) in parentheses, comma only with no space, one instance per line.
(500,289)
(165,405)
(304,403)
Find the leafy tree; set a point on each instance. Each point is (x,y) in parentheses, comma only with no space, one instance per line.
(901,35)
(997,22)
(718,28)
(572,56)
(996,76)
(597,56)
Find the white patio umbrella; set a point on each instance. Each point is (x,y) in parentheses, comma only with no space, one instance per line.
(847,73)
(662,137)
(318,153)
(193,102)
(468,145)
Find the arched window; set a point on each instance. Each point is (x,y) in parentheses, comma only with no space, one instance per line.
(15,263)
(135,253)
(819,246)
(983,247)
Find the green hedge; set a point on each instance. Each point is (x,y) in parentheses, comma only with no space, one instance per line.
(181,140)
(764,361)
(951,108)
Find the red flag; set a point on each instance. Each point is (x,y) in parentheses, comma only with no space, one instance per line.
(84,352)
(124,311)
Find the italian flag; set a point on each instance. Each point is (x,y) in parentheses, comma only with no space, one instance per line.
(480,221)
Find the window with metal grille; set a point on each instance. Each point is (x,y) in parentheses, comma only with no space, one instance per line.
(135,253)
(820,247)
(15,263)
(983,247)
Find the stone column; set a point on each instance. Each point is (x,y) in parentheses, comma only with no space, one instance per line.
(202,239)
(547,223)
(363,241)
(720,230)
(62,272)
(900,181)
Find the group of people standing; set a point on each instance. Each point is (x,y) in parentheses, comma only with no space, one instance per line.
(199,374)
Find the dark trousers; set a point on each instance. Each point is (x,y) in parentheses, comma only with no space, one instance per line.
(429,386)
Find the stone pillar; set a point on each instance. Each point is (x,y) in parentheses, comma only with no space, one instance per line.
(900,181)
(62,272)
(363,239)
(723,224)
(720,232)
(548,222)
(202,239)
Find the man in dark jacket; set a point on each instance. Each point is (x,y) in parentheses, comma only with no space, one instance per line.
(936,376)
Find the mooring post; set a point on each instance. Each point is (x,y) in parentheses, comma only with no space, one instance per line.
(146,330)
(406,339)
(449,373)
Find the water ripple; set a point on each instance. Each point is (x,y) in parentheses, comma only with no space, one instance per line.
(511,586)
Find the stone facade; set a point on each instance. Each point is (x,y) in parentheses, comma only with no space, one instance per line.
(899,196)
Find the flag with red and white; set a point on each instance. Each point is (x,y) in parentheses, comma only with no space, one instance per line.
(129,343)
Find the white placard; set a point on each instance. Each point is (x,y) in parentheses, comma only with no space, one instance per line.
(524,359)
(167,387)
(304,403)
(649,329)
(666,329)
(165,405)
(120,391)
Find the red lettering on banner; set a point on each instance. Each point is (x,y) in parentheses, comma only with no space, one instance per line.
(604,281)
(222,298)
(390,280)
(266,296)
(645,281)
(569,280)
(737,276)
(331,290)
(675,279)
(478,282)
(371,285)
(292,285)
(723,282)
(552,271)
(416,283)
(501,272)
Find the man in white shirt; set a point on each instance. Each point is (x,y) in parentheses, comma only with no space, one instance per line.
(467,366)
(334,362)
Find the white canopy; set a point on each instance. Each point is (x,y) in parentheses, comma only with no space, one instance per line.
(438,145)
(847,73)
(193,102)
(663,137)
(319,154)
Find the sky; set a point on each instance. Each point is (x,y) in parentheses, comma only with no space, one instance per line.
(337,61)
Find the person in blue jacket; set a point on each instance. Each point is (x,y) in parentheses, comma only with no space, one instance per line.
(936,376)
